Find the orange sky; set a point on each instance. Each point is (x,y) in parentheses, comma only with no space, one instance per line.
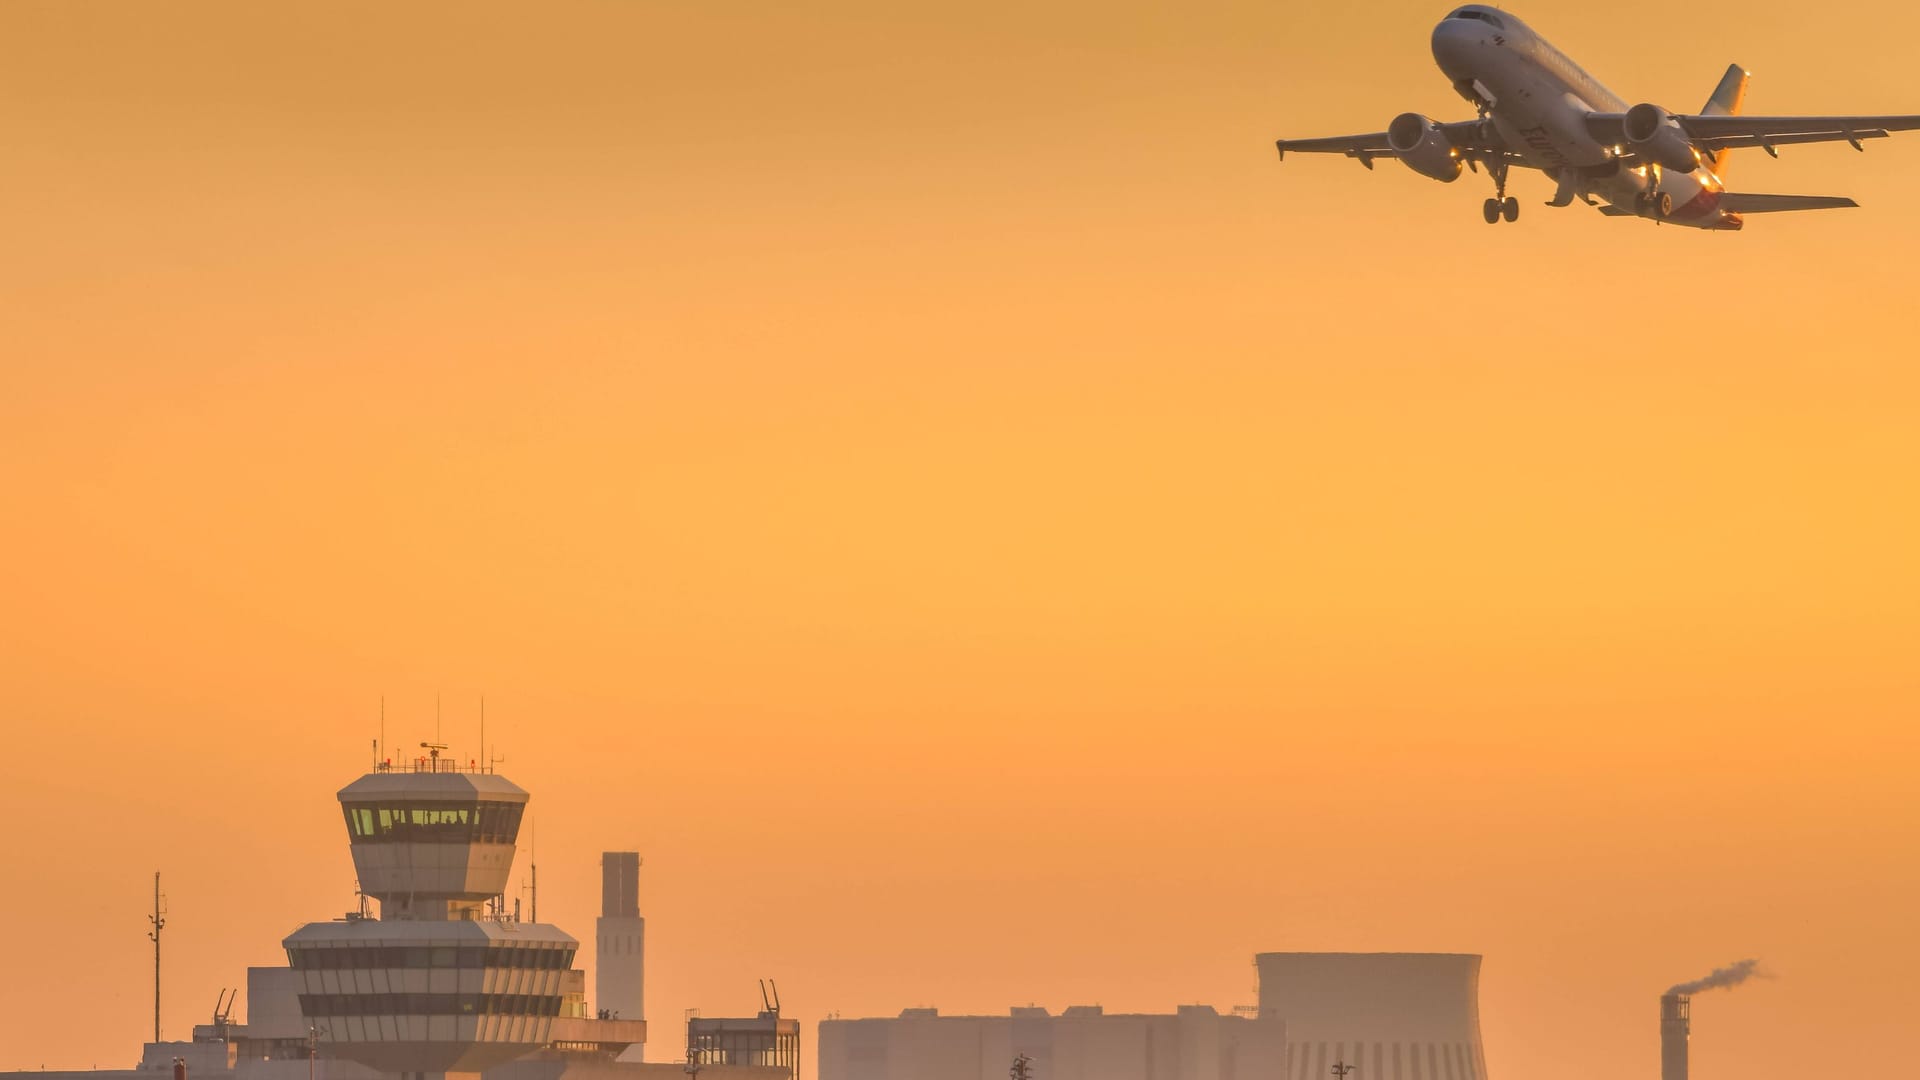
(929,479)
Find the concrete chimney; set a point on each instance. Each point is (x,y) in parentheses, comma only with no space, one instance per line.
(1675,1027)
(619,981)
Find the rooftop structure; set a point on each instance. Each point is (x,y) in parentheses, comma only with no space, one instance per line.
(767,1039)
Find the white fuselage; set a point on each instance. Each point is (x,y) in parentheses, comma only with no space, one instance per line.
(1539,100)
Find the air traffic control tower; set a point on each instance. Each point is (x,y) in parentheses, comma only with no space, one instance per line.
(445,982)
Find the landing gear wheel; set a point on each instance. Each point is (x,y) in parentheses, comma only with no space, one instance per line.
(1500,205)
(1663,206)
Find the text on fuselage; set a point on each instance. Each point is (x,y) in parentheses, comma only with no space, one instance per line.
(1540,141)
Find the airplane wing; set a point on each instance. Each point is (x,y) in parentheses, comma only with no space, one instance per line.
(1469,135)
(1732,132)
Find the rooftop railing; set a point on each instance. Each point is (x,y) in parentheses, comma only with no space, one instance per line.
(433,764)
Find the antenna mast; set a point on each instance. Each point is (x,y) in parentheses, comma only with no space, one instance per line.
(530,886)
(159,921)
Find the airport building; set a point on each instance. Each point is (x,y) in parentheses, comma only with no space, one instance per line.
(765,1039)
(1383,1016)
(436,977)
(1083,1043)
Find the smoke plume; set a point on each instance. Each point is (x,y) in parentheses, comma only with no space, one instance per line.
(1732,975)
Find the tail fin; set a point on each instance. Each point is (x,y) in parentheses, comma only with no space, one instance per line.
(1726,101)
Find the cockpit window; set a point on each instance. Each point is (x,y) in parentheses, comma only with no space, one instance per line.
(1484,16)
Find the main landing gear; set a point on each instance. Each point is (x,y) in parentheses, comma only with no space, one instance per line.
(1653,202)
(1501,205)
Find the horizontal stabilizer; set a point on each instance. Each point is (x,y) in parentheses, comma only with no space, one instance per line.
(1737,203)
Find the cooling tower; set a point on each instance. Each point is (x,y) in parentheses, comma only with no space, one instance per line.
(1675,1027)
(1394,1016)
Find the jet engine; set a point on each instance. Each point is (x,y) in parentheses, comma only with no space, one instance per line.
(1653,134)
(1420,145)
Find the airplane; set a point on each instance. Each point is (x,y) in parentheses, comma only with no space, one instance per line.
(1538,110)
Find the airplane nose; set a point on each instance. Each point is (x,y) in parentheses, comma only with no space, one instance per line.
(1453,44)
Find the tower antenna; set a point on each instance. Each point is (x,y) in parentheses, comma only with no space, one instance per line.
(159,921)
(483,727)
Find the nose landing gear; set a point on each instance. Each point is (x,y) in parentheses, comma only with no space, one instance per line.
(1501,205)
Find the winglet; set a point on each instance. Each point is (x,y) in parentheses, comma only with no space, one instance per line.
(1281,145)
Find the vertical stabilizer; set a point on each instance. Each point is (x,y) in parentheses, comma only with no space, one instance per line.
(1726,101)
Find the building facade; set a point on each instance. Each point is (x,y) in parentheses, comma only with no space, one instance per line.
(1083,1043)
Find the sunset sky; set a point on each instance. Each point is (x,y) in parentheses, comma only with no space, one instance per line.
(930,480)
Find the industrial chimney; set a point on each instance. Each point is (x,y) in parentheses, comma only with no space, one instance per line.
(1674,1029)
(620,960)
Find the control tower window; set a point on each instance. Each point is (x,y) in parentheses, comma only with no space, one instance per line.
(431,823)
